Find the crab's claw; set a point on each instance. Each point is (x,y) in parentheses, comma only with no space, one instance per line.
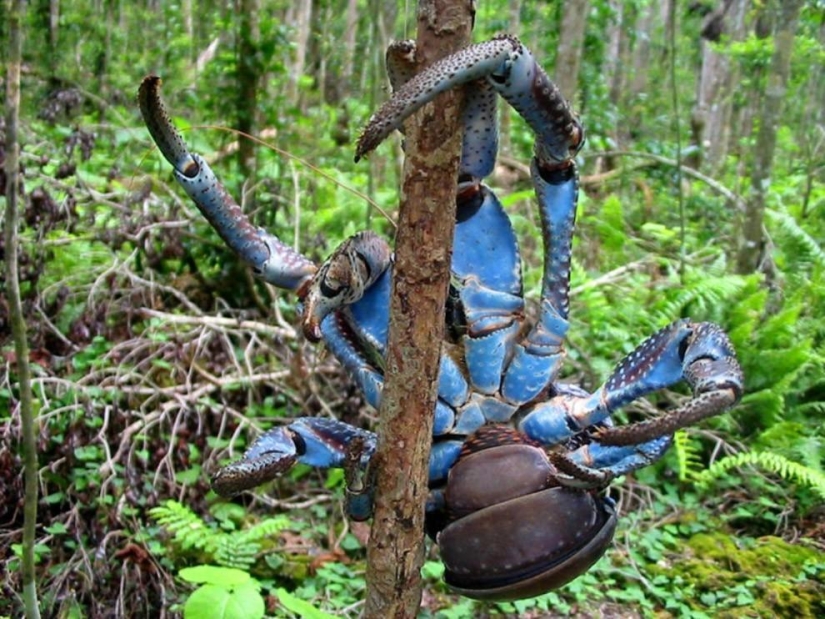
(276,262)
(313,441)
(512,71)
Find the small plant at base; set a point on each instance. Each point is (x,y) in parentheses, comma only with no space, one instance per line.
(238,549)
(774,463)
(224,593)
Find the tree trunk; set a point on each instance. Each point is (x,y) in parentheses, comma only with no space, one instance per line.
(303,22)
(15,12)
(248,70)
(420,282)
(645,23)
(350,30)
(752,245)
(616,48)
(711,116)
(571,43)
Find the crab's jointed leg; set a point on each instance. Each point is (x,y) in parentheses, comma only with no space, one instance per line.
(494,308)
(314,441)
(698,353)
(276,262)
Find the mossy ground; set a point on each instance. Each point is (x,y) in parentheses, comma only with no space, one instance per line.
(727,576)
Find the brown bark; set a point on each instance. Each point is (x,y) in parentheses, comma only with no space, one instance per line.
(571,43)
(711,116)
(752,243)
(421,277)
(248,78)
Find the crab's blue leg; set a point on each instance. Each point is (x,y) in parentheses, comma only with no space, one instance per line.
(315,441)
(341,332)
(539,355)
(699,353)
(276,262)
(487,268)
(522,82)
(609,461)
(467,65)
(508,68)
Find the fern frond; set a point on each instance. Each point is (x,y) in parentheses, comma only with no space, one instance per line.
(803,242)
(706,295)
(188,529)
(774,463)
(265,528)
(232,551)
(687,455)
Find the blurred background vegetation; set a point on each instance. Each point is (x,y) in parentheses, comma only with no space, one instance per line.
(156,356)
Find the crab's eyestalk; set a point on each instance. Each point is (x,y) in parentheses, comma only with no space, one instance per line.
(343,278)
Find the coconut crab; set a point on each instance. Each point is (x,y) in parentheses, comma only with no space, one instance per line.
(501,414)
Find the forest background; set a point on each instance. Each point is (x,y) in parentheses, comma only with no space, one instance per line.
(155,355)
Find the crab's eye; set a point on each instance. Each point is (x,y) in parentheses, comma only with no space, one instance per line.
(330,287)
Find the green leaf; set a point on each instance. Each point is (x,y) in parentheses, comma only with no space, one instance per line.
(212,574)
(300,607)
(189,476)
(216,602)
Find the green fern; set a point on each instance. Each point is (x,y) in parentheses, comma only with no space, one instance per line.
(238,549)
(687,455)
(774,463)
(187,528)
(800,245)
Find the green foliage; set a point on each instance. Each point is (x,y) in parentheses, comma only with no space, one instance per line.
(300,607)
(224,593)
(788,470)
(688,455)
(223,545)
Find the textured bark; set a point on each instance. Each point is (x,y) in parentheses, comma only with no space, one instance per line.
(752,244)
(711,116)
(571,43)
(420,282)
(248,77)
(302,18)
(15,12)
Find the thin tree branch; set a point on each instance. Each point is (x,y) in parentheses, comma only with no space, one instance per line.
(420,281)
(15,10)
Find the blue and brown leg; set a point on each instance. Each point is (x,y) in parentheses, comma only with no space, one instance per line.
(274,261)
(700,354)
(315,441)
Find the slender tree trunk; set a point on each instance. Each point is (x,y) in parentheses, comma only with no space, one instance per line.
(248,69)
(711,115)
(571,43)
(420,281)
(752,244)
(303,23)
(645,23)
(350,30)
(15,12)
(617,42)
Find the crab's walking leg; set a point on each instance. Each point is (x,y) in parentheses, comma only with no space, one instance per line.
(698,353)
(522,82)
(276,262)
(505,66)
(315,441)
